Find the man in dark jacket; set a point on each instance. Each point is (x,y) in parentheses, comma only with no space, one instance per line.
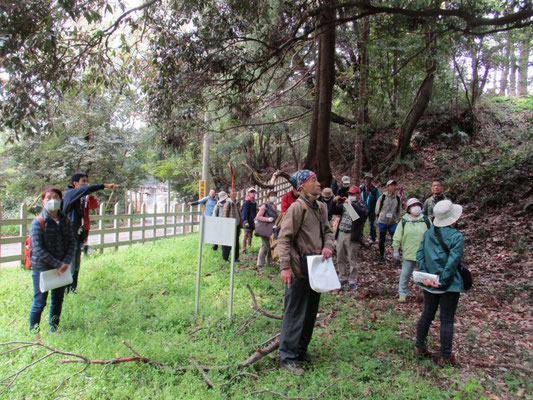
(72,208)
(248,211)
(369,197)
(348,235)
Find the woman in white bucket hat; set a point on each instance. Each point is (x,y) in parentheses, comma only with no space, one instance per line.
(432,258)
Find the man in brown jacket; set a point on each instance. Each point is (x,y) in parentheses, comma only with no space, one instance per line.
(231,210)
(305,230)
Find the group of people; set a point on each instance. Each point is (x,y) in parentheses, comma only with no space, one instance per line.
(58,236)
(305,228)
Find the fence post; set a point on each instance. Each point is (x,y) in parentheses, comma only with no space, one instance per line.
(130,222)
(173,219)
(116,224)
(191,216)
(182,218)
(101,227)
(23,229)
(143,213)
(155,220)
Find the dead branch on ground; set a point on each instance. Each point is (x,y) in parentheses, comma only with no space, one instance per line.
(257,308)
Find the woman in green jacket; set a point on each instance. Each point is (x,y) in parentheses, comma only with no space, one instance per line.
(432,258)
(408,236)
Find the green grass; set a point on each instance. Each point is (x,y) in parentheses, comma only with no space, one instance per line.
(145,295)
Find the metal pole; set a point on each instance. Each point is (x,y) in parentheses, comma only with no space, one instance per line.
(232,272)
(205,156)
(199,271)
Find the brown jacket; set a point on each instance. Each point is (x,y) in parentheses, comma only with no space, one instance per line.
(309,239)
(231,210)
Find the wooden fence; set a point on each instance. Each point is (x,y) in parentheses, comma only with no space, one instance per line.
(122,229)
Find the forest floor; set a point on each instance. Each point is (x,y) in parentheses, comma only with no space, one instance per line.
(494,322)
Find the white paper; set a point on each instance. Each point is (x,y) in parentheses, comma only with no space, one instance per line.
(51,280)
(420,277)
(322,275)
(350,210)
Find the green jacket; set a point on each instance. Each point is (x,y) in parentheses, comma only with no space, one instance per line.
(409,237)
(431,258)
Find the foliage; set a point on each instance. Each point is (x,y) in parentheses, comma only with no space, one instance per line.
(145,295)
(93,133)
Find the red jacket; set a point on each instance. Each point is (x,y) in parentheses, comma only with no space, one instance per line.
(287,200)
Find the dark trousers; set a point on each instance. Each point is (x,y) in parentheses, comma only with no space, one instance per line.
(227,249)
(372,224)
(75,264)
(448,305)
(299,315)
(39,302)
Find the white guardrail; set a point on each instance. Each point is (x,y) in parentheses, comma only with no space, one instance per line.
(115,230)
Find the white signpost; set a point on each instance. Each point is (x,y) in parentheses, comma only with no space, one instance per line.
(221,231)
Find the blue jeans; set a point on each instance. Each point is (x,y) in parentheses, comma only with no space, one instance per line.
(448,305)
(405,275)
(39,302)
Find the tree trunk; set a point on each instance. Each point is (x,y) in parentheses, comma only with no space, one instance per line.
(512,79)
(364,35)
(525,48)
(420,102)
(317,158)
(505,71)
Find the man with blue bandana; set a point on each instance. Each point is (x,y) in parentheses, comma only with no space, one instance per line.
(305,230)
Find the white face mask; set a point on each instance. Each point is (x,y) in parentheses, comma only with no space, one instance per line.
(352,199)
(52,205)
(415,210)
(273,199)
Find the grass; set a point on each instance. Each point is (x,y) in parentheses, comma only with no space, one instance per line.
(145,295)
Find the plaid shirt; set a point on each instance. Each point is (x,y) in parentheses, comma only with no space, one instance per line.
(53,245)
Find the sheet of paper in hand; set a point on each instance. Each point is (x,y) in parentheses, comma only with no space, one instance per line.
(351,212)
(420,277)
(322,275)
(51,280)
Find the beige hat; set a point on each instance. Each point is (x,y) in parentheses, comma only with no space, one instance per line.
(327,192)
(411,201)
(252,189)
(390,182)
(446,213)
(222,195)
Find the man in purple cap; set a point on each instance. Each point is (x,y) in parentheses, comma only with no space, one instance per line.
(305,230)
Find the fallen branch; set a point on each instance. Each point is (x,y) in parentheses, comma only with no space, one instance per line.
(204,375)
(257,308)
(259,354)
(318,396)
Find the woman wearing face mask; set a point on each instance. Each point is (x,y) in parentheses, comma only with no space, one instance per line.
(268,213)
(408,236)
(52,241)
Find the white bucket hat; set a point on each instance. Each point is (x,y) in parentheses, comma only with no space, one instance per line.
(446,213)
(222,195)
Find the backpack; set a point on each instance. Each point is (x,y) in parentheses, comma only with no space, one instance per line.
(28,248)
(382,199)
(426,220)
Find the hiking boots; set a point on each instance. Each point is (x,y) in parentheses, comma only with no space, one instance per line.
(293,367)
(449,361)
